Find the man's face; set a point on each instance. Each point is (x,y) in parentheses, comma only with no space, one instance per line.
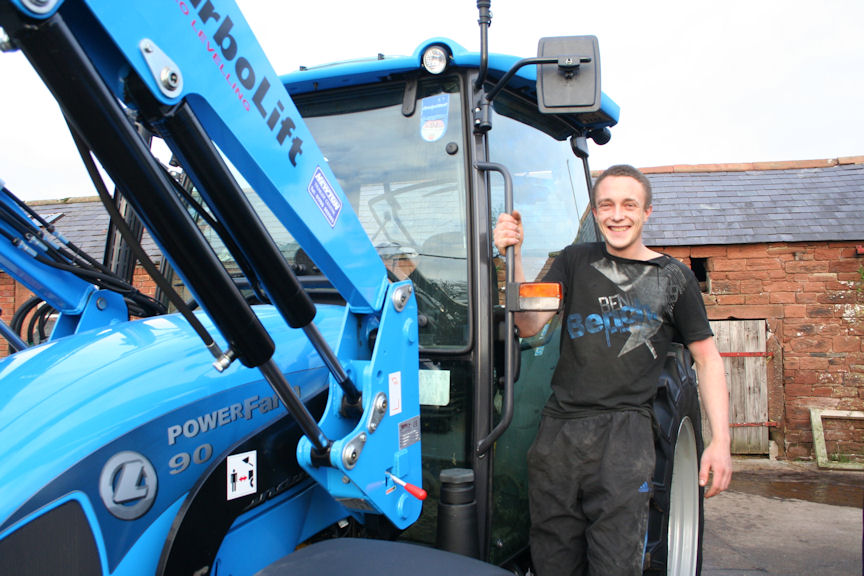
(620,211)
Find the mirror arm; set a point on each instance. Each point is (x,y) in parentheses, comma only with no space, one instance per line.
(569,65)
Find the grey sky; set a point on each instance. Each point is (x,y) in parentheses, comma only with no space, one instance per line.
(697,82)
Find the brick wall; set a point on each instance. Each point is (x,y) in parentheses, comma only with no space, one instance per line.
(14,295)
(812,297)
(142,281)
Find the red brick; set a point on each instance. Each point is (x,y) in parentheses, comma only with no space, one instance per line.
(829,253)
(778,249)
(808,285)
(846,344)
(813,363)
(782,297)
(795,311)
(781,286)
(796,412)
(824,403)
(831,328)
(817,311)
(854,279)
(810,344)
(803,378)
(737,273)
(841,285)
(849,265)
(747,311)
(724,265)
(747,251)
(756,299)
(730,299)
(724,287)
(798,452)
(843,160)
(707,251)
(806,267)
(801,327)
(762,263)
(679,252)
(823,278)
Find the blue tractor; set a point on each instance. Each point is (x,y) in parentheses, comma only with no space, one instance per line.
(330,381)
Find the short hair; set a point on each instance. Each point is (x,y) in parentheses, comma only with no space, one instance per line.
(629,171)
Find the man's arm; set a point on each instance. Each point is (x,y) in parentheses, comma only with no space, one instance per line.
(508,232)
(716,459)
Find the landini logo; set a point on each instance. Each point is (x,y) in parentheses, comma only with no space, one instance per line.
(127,485)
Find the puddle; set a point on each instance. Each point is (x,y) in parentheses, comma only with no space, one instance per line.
(822,488)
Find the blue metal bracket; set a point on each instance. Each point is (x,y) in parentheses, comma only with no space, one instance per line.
(103,308)
(386,439)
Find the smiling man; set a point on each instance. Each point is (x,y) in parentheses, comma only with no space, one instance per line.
(591,464)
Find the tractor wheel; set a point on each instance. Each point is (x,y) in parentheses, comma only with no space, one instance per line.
(675,524)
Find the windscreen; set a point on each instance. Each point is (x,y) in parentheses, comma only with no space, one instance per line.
(403,170)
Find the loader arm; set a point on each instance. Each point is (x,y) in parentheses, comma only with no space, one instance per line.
(194,74)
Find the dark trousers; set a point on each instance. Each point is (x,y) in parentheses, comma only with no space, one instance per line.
(589,488)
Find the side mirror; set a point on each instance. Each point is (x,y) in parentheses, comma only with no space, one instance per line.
(572,84)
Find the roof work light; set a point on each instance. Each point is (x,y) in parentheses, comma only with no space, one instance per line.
(435,59)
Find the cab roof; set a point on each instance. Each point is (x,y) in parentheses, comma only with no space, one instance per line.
(373,70)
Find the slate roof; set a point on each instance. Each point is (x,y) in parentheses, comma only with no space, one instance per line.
(753,203)
(693,205)
(84,222)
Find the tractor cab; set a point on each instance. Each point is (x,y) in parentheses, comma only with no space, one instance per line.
(403,138)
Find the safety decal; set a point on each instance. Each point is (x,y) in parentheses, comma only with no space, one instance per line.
(128,485)
(395,389)
(434,111)
(242,473)
(325,197)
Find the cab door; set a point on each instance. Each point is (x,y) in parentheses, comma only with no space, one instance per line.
(551,193)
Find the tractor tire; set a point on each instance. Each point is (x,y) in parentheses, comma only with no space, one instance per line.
(676,519)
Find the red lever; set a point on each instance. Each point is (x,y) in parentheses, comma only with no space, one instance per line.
(415,491)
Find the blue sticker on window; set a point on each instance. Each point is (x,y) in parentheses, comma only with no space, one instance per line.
(325,197)
(434,111)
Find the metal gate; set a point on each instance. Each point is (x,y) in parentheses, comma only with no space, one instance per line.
(742,345)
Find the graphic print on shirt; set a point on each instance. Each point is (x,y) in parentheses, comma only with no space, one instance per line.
(644,293)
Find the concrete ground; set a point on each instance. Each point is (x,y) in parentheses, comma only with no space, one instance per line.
(785,519)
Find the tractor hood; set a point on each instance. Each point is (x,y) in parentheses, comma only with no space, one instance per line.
(63,402)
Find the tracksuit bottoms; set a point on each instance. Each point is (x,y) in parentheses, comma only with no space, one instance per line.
(589,489)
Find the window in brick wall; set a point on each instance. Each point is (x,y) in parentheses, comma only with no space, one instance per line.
(699,266)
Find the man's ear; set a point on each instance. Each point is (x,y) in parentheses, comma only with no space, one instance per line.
(648,211)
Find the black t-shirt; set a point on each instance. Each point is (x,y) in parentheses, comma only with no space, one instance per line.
(618,321)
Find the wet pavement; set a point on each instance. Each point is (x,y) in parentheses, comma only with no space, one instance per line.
(785,519)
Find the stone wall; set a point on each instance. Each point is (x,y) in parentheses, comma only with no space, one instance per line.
(812,296)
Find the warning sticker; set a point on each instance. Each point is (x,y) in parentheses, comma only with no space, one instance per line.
(395,389)
(325,197)
(242,474)
(434,111)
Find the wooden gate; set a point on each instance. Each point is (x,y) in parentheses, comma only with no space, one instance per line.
(742,345)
